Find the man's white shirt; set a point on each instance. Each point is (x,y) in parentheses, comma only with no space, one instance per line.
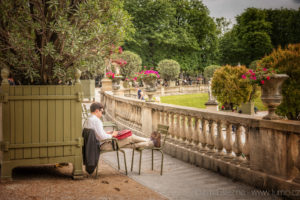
(93,122)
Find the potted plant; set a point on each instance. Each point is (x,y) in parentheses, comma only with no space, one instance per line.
(270,83)
(149,78)
(169,70)
(43,43)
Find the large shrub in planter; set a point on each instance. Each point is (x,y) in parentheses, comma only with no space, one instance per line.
(168,69)
(43,41)
(133,63)
(209,71)
(287,61)
(41,44)
(229,88)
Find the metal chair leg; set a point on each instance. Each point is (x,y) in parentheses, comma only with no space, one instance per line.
(118,160)
(125,164)
(152,159)
(132,158)
(162,162)
(140,162)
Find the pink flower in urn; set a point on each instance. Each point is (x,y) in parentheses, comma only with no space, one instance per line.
(259,76)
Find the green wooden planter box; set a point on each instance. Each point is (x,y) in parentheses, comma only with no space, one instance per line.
(41,125)
(88,88)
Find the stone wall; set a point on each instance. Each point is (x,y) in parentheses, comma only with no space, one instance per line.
(259,152)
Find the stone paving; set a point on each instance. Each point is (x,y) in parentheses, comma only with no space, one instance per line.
(182,181)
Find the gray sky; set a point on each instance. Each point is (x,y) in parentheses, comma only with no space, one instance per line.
(231,8)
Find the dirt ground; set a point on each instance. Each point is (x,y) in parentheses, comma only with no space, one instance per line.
(50,182)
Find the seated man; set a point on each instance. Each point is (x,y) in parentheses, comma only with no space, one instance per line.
(94,122)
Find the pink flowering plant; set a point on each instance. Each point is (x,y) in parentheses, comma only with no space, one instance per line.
(147,74)
(259,76)
(110,75)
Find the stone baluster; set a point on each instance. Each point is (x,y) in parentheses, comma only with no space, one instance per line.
(135,117)
(203,138)
(162,117)
(197,133)
(219,139)
(189,131)
(183,128)
(178,129)
(228,142)
(210,141)
(139,115)
(237,146)
(172,126)
(167,120)
(246,148)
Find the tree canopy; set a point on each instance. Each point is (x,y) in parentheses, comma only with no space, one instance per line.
(133,65)
(172,29)
(257,31)
(43,41)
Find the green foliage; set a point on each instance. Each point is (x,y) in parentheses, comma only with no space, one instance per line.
(172,29)
(287,61)
(43,41)
(230,49)
(209,71)
(253,65)
(257,31)
(229,88)
(168,69)
(253,33)
(134,63)
(285,26)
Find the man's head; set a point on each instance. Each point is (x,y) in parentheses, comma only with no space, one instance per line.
(97,109)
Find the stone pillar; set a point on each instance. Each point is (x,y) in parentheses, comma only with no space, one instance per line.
(146,121)
(270,151)
(211,106)
(106,85)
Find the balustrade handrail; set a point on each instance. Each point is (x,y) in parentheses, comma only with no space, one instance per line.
(233,118)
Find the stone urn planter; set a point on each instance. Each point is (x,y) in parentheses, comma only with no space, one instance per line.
(116,85)
(150,83)
(116,82)
(271,95)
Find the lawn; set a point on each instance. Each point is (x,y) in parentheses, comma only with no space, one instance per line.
(198,100)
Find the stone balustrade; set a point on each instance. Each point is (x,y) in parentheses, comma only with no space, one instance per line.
(259,152)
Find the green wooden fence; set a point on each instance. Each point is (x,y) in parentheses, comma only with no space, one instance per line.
(41,125)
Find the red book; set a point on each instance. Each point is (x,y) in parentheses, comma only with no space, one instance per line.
(123,134)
